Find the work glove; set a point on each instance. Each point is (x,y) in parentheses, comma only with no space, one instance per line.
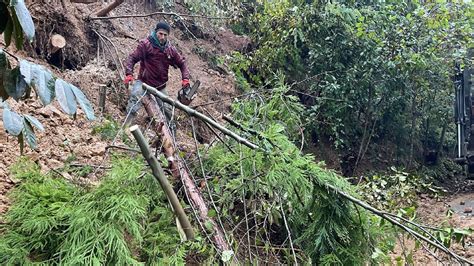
(185,83)
(127,79)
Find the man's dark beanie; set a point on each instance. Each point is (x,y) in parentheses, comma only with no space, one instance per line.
(163,25)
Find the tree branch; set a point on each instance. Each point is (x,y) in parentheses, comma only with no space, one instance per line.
(97,17)
(383,215)
(199,115)
(103,12)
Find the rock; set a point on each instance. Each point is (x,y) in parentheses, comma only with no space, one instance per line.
(462,203)
(98,149)
(468,210)
(49,111)
(54,164)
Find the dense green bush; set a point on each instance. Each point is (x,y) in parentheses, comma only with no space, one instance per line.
(123,221)
(378,73)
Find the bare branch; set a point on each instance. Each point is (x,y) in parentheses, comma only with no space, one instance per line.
(383,215)
(121,148)
(97,17)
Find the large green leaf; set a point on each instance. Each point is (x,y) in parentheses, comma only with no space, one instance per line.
(29,134)
(3,60)
(12,122)
(4,65)
(34,122)
(65,96)
(4,16)
(27,70)
(17,32)
(40,78)
(85,104)
(13,83)
(7,34)
(44,84)
(24,18)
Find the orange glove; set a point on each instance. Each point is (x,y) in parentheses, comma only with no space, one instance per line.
(127,79)
(185,83)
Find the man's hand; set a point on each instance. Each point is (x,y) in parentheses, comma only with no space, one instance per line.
(185,83)
(127,79)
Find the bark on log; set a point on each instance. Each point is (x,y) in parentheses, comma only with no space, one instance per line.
(199,115)
(103,12)
(165,185)
(57,42)
(180,172)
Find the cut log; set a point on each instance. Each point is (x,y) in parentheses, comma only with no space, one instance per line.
(103,12)
(179,172)
(57,42)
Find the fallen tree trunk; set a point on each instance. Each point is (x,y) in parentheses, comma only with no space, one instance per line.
(103,12)
(165,185)
(199,115)
(180,172)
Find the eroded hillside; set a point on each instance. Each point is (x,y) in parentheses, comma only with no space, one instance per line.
(93,57)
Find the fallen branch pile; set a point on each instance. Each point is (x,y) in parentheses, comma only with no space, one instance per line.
(180,172)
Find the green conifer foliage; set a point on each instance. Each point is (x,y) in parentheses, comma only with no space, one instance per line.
(123,221)
(280,179)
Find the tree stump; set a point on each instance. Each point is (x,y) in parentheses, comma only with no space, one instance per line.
(57,43)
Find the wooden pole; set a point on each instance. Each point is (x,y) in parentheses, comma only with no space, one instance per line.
(102,96)
(165,185)
(103,12)
(199,115)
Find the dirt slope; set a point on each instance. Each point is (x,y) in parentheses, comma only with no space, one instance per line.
(87,63)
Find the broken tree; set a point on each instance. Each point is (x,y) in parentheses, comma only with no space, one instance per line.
(180,172)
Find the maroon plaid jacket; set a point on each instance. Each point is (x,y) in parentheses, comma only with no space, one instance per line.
(154,63)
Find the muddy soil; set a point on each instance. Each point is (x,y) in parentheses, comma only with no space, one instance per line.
(434,212)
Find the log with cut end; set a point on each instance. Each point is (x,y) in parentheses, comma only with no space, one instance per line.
(103,12)
(57,42)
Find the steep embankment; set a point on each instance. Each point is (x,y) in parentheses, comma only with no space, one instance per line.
(89,61)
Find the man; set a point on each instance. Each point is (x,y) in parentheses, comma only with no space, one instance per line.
(155,55)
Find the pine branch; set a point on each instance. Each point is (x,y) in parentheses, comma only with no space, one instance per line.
(121,148)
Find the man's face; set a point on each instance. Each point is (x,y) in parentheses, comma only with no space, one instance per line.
(162,35)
